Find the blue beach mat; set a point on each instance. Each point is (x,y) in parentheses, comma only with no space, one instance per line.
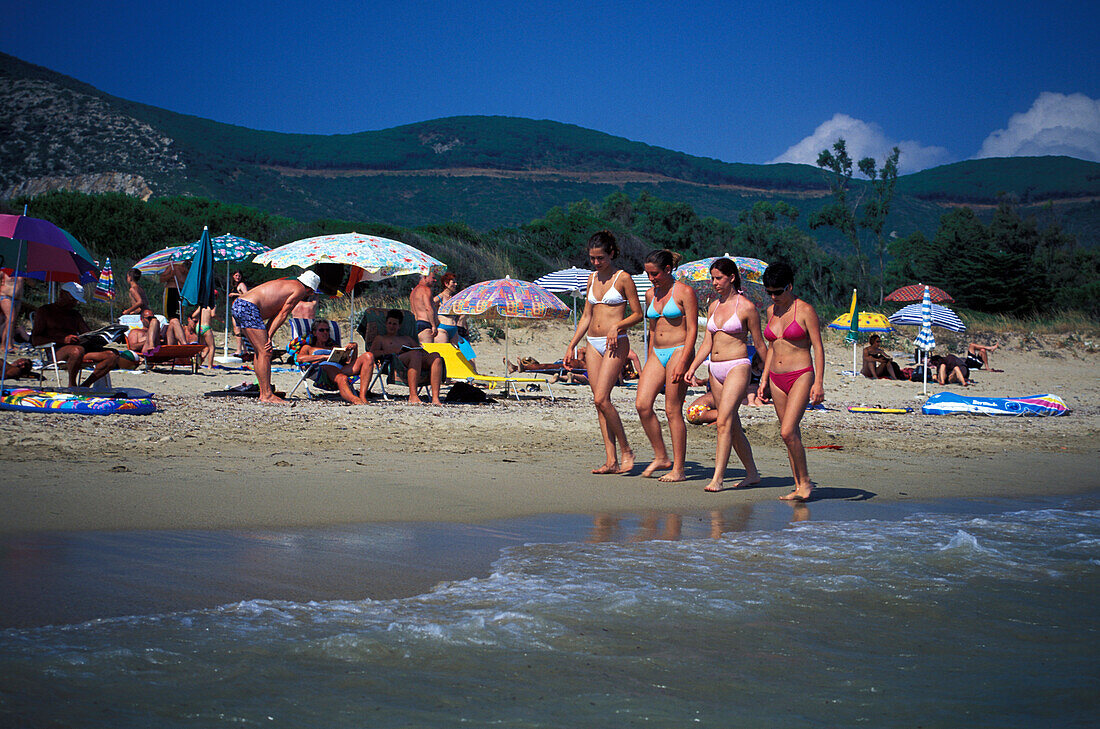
(948,403)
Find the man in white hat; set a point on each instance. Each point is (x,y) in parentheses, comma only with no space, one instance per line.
(61,324)
(260,312)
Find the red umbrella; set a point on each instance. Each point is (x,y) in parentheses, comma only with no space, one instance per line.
(915,292)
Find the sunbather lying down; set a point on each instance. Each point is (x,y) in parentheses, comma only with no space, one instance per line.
(407,358)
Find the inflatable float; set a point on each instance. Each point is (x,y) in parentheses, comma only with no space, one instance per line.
(948,403)
(35,401)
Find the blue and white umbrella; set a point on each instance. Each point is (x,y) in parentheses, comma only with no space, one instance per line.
(572,281)
(926,340)
(941,316)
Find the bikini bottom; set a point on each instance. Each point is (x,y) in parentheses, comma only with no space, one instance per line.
(600,343)
(721,369)
(664,354)
(785,380)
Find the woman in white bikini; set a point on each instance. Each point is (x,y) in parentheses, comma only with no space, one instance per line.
(604,324)
(732,318)
(673,312)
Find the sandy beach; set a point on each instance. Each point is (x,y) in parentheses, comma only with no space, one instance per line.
(200,463)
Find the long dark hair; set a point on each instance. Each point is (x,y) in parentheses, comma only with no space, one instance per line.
(729,268)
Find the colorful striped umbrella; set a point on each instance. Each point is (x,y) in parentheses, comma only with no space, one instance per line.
(914,293)
(157,262)
(378,257)
(105,286)
(507,298)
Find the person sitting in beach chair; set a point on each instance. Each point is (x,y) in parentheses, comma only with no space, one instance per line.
(59,326)
(406,359)
(152,335)
(317,354)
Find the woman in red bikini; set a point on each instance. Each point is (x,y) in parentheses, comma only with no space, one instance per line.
(796,377)
(732,319)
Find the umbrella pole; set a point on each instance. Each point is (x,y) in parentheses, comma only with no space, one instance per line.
(225,346)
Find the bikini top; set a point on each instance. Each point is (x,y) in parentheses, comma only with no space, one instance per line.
(732,325)
(670,310)
(793,333)
(611,297)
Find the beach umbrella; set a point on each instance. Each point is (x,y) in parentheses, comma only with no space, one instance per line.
(941,316)
(506,298)
(914,293)
(697,275)
(926,340)
(228,248)
(380,258)
(198,287)
(105,287)
(572,281)
(158,261)
(30,246)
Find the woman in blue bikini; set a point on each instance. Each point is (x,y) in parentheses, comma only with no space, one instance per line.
(732,319)
(604,324)
(673,313)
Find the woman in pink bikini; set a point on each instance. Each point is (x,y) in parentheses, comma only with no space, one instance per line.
(796,377)
(732,318)
(604,325)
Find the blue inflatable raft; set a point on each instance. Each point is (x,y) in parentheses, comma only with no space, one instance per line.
(948,403)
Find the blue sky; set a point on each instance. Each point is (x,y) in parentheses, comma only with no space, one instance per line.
(754,83)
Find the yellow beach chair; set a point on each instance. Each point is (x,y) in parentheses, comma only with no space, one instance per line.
(458,368)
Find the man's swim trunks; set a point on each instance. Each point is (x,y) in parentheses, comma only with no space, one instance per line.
(247,315)
(422,325)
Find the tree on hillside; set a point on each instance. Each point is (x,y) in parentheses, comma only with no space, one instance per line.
(877,208)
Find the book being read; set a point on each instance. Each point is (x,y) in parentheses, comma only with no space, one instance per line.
(338,356)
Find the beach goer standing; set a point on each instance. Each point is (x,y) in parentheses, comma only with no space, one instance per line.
(172,278)
(796,375)
(11,299)
(673,312)
(420,303)
(260,312)
(448,325)
(604,325)
(732,318)
(138,299)
(237,288)
(204,331)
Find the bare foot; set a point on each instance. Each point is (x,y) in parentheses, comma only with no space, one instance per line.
(612,467)
(657,465)
(715,486)
(437,401)
(628,463)
(673,477)
(273,400)
(798,495)
(415,401)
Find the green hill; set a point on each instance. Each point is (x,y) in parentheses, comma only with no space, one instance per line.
(57,132)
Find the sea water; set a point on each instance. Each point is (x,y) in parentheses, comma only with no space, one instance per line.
(931,620)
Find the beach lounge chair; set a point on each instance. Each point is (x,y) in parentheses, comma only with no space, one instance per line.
(458,368)
(174,354)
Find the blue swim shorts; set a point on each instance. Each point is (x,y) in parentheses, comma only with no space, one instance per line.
(247,315)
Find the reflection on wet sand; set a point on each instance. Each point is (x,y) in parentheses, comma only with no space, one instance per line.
(669,526)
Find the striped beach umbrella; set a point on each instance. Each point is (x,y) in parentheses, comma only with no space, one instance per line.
(926,340)
(572,281)
(105,286)
(940,316)
(914,293)
(157,262)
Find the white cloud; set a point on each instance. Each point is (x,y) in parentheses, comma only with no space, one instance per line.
(1055,124)
(863,140)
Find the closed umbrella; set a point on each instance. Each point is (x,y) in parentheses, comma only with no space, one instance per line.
(198,287)
(105,287)
(926,340)
(507,298)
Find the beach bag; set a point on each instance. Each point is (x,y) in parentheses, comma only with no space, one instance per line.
(918,374)
(467,393)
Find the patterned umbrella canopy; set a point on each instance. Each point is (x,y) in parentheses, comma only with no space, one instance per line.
(505,297)
(915,293)
(941,316)
(158,261)
(105,286)
(378,257)
(697,275)
(226,247)
(869,321)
